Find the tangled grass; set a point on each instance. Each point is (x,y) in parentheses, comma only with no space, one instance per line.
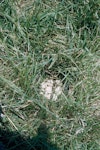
(57,39)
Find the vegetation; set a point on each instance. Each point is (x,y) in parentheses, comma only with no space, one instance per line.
(42,39)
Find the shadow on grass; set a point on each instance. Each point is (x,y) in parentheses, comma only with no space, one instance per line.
(15,141)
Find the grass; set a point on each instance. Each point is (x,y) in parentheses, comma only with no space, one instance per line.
(42,39)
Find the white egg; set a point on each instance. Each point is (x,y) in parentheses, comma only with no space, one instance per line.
(51,89)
